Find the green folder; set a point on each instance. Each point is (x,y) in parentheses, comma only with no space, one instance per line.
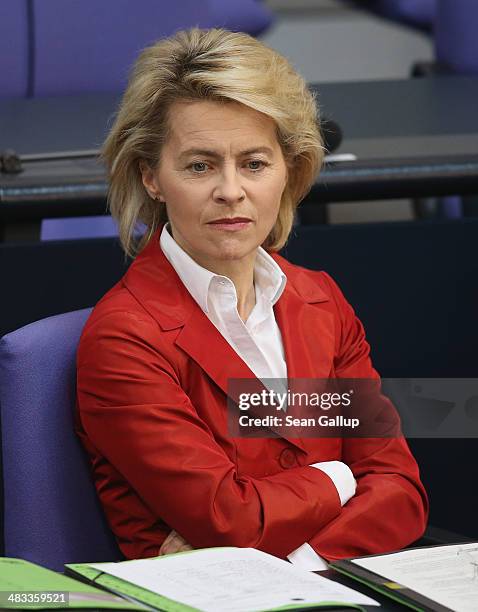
(83,571)
(27,586)
(93,576)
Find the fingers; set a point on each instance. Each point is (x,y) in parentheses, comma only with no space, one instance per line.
(185,547)
(174,546)
(174,543)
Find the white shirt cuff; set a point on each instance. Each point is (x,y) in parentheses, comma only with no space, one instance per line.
(307,559)
(342,477)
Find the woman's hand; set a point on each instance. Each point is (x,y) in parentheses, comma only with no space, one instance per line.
(174,543)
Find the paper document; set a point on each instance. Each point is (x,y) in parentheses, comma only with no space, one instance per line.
(445,574)
(232,579)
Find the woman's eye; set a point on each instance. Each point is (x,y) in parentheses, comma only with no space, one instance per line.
(199,167)
(255,164)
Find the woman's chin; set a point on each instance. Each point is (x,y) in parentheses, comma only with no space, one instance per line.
(231,248)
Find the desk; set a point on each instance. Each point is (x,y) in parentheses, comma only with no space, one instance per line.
(412,138)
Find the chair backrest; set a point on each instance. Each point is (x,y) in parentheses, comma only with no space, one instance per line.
(90,46)
(52,514)
(416,13)
(454,24)
(419,13)
(14,49)
(75,228)
(456,40)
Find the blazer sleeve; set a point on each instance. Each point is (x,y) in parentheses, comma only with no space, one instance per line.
(390,506)
(137,416)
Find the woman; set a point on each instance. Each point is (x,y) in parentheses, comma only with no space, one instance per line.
(214,145)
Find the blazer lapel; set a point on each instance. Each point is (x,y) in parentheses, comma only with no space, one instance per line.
(200,339)
(307,333)
(156,285)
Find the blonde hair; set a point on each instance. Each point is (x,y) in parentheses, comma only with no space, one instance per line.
(210,64)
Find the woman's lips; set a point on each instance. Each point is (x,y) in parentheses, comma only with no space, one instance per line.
(231,225)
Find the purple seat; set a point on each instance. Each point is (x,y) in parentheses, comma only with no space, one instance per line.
(454,24)
(456,38)
(73,228)
(52,514)
(76,228)
(91,45)
(14,49)
(416,13)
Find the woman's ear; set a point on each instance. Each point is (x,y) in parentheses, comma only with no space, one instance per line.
(150,181)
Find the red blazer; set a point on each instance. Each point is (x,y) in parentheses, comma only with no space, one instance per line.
(152,381)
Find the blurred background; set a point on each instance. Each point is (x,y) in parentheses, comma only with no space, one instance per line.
(330,41)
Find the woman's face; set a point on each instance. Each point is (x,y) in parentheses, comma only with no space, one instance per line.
(222,175)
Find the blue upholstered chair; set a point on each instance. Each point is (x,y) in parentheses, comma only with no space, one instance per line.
(456,40)
(89,46)
(453,23)
(416,13)
(52,47)
(52,514)
(74,228)
(14,60)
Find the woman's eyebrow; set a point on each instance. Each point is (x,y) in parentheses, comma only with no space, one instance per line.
(216,155)
(266,150)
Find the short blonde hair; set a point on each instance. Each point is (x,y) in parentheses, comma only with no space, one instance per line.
(218,65)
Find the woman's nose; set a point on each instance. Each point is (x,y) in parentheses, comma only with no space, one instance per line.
(229,189)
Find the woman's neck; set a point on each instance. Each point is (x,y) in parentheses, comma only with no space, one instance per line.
(241,273)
